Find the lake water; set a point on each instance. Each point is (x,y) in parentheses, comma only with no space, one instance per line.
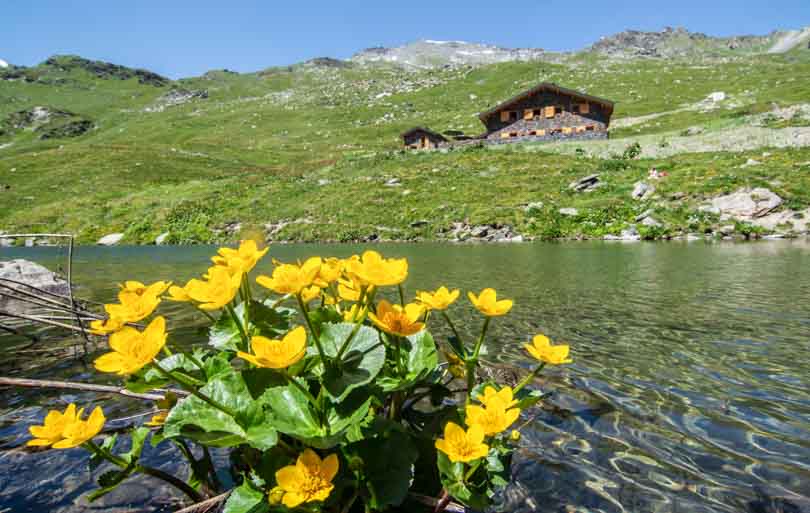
(689,391)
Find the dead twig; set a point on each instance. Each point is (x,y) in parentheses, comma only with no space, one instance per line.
(206,505)
(72,385)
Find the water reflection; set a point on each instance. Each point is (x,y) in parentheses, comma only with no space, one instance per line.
(690,389)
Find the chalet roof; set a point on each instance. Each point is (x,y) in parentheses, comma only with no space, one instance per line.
(425,130)
(546,86)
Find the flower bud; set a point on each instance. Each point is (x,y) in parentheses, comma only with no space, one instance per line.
(514,435)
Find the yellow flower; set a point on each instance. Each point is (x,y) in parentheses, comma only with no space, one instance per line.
(66,430)
(241,260)
(504,395)
(310,293)
(487,303)
(158,419)
(398,320)
(455,365)
(106,326)
(133,349)
(330,271)
(217,290)
(50,431)
(136,302)
(543,351)
(373,269)
(352,314)
(291,278)
(462,446)
(138,288)
(277,354)
(309,480)
(349,289)
(178,293)
(493,418)
(80,431)
(438,300)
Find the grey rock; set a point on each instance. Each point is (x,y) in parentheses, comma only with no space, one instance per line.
(111,239)
(30,273)
(751,162)
(534,205)
(647,213)
(715,97)
(419,222)
(569,211)
(745,204)
(161,239)
(324,181)
(393,182)
(727,229)
(651,221)
(694,130)
(586,183)
(642,190)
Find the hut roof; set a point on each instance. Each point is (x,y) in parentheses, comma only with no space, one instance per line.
(425,130)
(546,86)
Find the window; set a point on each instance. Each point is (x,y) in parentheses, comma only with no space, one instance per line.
(590,128)
(538,113)
(504,135)
(513,134)
(504,116)
(528,114)
(584,108)
(540,133)
(513,115)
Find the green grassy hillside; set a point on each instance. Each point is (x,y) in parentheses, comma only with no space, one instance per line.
(309,149)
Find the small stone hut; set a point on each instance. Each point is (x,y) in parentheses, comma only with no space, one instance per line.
(419,138)
(548,112)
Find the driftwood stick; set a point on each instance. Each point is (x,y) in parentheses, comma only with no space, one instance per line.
(433,502)
(42,320)
(206,505)
(72,385)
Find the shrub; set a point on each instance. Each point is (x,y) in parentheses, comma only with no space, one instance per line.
(632,151)
(328,397)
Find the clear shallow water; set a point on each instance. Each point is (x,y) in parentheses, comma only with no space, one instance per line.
(690,389)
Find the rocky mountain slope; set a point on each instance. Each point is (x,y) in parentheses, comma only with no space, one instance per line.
(312,151)
(429,53)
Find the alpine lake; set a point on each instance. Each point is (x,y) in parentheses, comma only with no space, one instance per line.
(689,390)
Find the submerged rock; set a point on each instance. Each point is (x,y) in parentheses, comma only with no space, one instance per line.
(25,272)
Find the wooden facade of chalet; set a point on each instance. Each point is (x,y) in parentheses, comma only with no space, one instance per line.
(547,112)
(419,138)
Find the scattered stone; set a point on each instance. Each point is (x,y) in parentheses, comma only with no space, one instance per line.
(569,211)
(651,222)
(716,97)
(324,181)
(694,130)
(677,196)
(726,229)
(642,190)
(111,239)
(587,183)
(30,273)
(534,205)
(420,222)
(629,234)
(161,239)
(495,232)
(744,205)
(786,220)
(642,216)
(393,182)
(750,162)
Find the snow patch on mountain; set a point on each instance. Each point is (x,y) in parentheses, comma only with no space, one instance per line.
(787,41)
(430,53)
(3,64)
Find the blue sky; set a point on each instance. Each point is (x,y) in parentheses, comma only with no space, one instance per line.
(184,38)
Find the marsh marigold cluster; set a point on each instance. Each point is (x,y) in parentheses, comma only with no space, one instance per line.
(314,379)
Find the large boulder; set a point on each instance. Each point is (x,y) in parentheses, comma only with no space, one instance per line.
(586,183)
(744,205)
(642,190)
(111,239)
(14,272)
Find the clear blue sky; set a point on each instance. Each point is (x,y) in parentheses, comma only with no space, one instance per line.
(184,38)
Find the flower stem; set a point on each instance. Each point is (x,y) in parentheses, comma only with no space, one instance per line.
(239,325)
(119,462)
(401,295)
(191,389)
(472,361)
(302,388)
(315,334)
(528,379)
(455,332)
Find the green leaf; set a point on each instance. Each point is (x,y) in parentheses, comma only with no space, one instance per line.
(448,469)
(528,398)
(246,499)
(224,334)
(207,424)
(177,361)
(421,360)
(108,444)
(138,436)
(108,482)
(352,411)
(269,322)
(361,361)
(291,413)
(388,467)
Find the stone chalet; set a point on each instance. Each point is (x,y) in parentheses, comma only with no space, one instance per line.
(543,113)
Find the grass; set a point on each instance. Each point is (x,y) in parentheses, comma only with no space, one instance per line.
(316,146)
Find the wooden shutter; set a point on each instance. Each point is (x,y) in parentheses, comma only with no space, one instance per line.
(528,114)
(550,112)
(567,130)
(541,133)
(504,135)
(505,116)
(584,108)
